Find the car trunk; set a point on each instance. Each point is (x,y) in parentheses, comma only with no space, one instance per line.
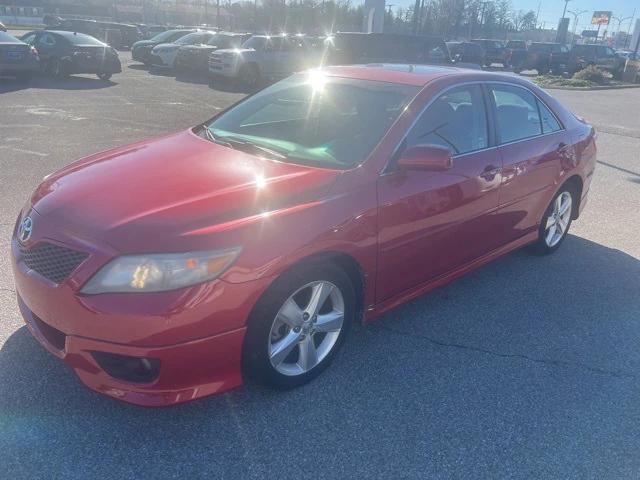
(13,52)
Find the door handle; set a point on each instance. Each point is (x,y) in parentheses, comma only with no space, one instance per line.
(490,172)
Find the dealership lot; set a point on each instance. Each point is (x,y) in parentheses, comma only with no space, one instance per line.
(527,368)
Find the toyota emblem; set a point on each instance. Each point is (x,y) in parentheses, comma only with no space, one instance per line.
(25,230)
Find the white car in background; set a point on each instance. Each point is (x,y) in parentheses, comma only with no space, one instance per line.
(264,56)
(164,55)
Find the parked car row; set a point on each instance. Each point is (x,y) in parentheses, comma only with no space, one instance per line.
(117,35)
(559,59)
(56,53)
(249,58)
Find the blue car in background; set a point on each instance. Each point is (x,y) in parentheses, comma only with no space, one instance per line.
(17,59)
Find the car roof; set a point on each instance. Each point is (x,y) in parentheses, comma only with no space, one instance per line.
(407,74)
(7,38)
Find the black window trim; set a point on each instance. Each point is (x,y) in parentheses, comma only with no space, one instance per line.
(538,99)
(485,85)
(390,166)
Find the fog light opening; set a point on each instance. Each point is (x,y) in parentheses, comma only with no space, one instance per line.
(129,369)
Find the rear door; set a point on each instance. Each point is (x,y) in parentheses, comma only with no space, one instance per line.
(532,145)
(432,222)
(47,45)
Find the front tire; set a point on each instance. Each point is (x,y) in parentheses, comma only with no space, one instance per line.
(556,221)
(298,325)
(249,76)
(105,76)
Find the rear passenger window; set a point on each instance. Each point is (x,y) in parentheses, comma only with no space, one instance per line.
(517,113)
(549,122)
(456,120)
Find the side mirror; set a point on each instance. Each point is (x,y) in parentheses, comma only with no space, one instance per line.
(431,158)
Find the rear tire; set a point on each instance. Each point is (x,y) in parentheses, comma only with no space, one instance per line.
(543,70)
(277,352)
(556,221)
(105,76)
(57,70)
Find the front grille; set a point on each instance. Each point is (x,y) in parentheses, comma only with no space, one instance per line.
(53,262)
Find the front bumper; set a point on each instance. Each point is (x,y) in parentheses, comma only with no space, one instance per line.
(164,59)
(187,370)
(195,334)
(141,54)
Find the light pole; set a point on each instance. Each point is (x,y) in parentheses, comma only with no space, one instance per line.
(566,2)
(628,39)
(620,20)
(575,22)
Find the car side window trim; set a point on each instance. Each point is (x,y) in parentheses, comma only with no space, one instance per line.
(389,167)
(494,110)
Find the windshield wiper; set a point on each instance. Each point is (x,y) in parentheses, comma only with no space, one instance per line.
(241,145)
(212,137)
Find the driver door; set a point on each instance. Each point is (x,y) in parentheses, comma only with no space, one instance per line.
(433,222)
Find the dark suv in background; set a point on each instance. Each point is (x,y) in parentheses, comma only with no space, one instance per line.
(195,58)
(354,48)
(141,51)
(116,35)
(466,52)
(495,52)
(543,57)
(601,56)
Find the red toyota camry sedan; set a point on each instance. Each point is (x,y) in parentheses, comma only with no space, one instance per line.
(172,268)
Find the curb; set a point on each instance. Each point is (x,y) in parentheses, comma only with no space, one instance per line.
(586,89)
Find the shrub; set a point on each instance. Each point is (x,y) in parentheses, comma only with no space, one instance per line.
(592,74)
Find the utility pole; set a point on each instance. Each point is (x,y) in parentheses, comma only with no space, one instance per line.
(416,14)
(482,19)
(575,21)
(566,2)
(620,20)
(218,14)
(628,39)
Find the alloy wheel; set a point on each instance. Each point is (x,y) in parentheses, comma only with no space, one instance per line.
(558,220)
(306,328)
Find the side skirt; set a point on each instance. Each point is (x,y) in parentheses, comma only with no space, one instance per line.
(415,292)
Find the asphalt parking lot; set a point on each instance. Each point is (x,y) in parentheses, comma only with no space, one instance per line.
(526,369)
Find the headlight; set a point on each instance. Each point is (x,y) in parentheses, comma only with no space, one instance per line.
(160,272)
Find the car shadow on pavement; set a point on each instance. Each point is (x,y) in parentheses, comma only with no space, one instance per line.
(488,360)
(72,82)
(194,78)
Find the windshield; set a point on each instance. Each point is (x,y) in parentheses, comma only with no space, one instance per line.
(82,39)
(316,120)
(256,43)
(6,38)
(163,36)
(189,39)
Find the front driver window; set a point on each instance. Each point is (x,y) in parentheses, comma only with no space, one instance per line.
(456,120)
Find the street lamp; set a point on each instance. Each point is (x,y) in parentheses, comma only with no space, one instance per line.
(575,21)
(566,2)
(620,20)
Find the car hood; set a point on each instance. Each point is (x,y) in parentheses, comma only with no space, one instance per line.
(167,45)
(143,43)
(197,47)
(154,192)
(235,51)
